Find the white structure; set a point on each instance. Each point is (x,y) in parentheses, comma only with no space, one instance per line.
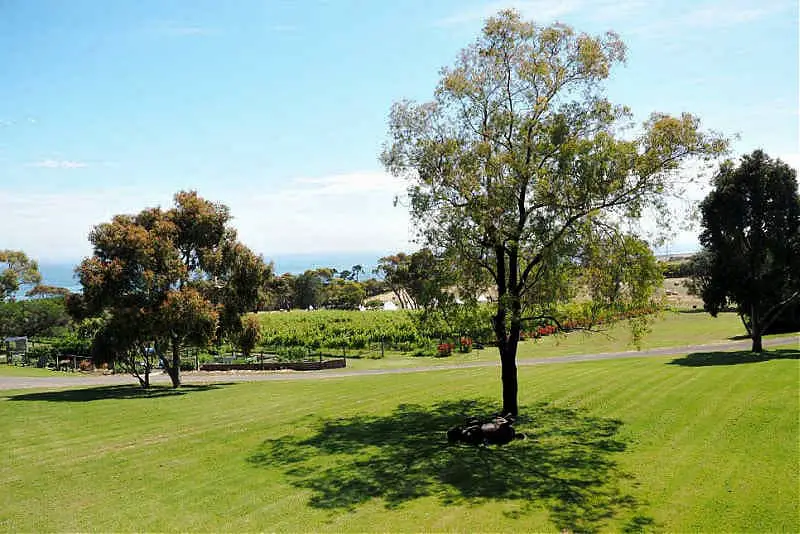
(389,306)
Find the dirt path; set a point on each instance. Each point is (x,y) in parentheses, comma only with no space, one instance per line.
(20,382)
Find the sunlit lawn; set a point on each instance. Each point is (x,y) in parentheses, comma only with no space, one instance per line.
(670,329)
(17,370)
(707,442)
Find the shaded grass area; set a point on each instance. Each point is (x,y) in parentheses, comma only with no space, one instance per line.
(636,444)
(114,392)
(701,359)
(565,465)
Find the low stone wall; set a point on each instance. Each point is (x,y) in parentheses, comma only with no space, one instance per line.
(338,363)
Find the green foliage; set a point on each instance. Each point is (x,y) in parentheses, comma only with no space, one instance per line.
(373,287)
(343,294)
(16,269)
(678,268)
(418,280)
(164,279)
(33,318)
(357,330)
(751,240)
(520,167)
(249,335)
(291,354)
(281,292)
(308,290)
(374,304)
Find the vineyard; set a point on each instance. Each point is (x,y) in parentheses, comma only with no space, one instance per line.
(334,329)
(409,330)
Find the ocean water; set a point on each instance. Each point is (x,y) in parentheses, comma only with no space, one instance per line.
(62,274)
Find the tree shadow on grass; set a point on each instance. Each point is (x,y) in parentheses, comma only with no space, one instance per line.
(114,392)
(565,466)
(703,359)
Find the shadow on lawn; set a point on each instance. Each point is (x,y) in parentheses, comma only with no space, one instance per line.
(565,465)
(114,392)
(703,359)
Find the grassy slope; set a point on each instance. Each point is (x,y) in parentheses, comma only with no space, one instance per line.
(653,444)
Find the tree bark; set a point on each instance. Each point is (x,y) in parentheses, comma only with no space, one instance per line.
(506,341)
(174,370)
(508,373)
(755,329)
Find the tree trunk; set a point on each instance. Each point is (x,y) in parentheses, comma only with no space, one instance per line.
(174,370)
(745,323)
(508,372)
(755,329)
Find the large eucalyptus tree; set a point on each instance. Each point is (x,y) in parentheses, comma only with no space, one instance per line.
(524,170)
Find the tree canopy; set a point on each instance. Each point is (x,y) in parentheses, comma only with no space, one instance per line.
(16,269)
(162,279)
(751,240)
(522,170)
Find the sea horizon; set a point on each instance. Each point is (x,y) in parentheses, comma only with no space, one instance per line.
(61,273)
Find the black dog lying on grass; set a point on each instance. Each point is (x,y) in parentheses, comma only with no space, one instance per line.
(498,431)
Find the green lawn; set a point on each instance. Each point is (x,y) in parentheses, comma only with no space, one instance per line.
(670,329)
(705,442)
(16,370)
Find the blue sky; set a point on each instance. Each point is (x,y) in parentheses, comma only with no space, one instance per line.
(279,108)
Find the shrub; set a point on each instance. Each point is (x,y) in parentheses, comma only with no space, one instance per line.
(444,349)
(373,304)
(291,354)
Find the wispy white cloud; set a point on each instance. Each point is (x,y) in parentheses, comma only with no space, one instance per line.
(58,164)
(723,14)
(714,14)
(532,9)
(544,11)
(343,212)
(352,183)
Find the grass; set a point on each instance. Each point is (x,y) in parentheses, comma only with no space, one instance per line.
(16,370)
(671,329)
(699,442)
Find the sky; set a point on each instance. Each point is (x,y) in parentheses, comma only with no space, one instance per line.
(279,109)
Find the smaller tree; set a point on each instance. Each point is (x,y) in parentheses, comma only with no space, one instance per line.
(280,291)
(33,318)
(249,335)
(166,279)
(344,294)
(46,291)
(394,270)
(373,287)
(356,270)
(308,289)
(751,240)
(16,269)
